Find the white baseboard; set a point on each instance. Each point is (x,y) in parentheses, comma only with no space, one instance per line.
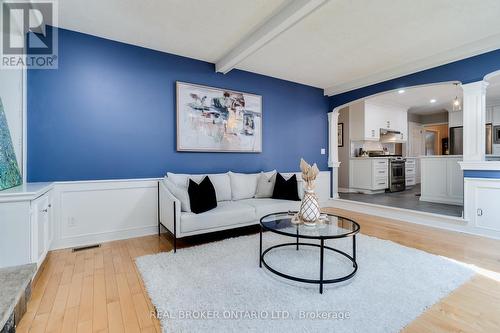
(97,238)
(457,224)
(441,199)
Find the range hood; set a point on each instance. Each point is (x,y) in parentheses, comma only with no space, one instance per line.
(389,135)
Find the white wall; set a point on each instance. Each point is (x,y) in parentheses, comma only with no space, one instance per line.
(11,93)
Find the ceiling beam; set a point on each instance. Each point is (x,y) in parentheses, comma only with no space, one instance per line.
(286,17)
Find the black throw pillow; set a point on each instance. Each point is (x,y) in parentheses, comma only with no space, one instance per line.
(286,189)
(202,196)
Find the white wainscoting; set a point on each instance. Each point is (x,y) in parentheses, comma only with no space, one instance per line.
(482,205)
(442,179)
(89,212)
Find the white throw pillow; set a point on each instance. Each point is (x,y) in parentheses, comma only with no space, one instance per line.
(222,185)
(221,182)
(180,193)
(181,179)
(243,186)
(265,185)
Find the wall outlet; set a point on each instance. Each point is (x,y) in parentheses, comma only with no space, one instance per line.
(71,222)
(323,151)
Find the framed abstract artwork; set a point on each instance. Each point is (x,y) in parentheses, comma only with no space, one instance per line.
(340,132)
(10,175)
(218,120)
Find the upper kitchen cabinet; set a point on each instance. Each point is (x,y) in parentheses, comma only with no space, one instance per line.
(368,118)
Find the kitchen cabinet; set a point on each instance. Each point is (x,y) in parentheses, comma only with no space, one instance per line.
(410,171)
(455,118)
(367,118)
(495,115)
(26,225)
(369,174)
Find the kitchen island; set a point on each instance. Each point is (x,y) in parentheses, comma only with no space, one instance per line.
(442,179)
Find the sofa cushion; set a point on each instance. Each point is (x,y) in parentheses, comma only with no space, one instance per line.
(225,214)
(221,182)
(286,189)
(180,193)
(202,196)
(269,206)
(243,186)
(265,185)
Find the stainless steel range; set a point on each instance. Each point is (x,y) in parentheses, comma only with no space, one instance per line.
(397,177)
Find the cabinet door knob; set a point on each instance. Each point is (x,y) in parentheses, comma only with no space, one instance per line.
(479,212)
(45,210)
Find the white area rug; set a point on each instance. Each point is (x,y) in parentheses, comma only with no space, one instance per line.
(219,287)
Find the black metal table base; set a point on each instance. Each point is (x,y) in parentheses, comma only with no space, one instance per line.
(321,281)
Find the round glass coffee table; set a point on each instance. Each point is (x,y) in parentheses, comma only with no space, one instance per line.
(334,227)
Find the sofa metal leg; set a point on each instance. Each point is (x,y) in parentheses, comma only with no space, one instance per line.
(175,229)
(159,223)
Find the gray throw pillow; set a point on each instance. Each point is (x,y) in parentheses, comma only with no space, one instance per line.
(265,185)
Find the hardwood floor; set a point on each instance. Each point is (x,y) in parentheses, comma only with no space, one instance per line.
(100,290)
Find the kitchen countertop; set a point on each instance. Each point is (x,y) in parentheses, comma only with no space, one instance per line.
(441,156)
(13,283)
(370,157)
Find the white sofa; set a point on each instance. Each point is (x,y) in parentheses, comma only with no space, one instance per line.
(235,209)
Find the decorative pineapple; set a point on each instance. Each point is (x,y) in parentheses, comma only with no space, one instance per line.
(309,208)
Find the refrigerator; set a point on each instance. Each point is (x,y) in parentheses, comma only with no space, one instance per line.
(457,137)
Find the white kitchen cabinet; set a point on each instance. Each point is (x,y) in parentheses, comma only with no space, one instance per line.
(495,115)
(489,114)
(367,118)
(455,118)
(369,174)
(363,125)
(410,171)
(26,224)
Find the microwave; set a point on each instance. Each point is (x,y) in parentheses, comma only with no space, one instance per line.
(496,134)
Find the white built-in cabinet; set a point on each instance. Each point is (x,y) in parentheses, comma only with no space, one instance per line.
(455,118)
(367,118)
(41,227)
(495,114)
(26,229)
(369,174)
(482,205)
(410,171)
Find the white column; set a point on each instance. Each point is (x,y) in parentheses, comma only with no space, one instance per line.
(333,150)
(474,113)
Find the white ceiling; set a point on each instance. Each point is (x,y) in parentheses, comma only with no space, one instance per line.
(340,46)
(417,100)
(199,29)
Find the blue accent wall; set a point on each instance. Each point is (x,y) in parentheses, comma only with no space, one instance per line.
(493,174)
(109,112)
(466,71)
